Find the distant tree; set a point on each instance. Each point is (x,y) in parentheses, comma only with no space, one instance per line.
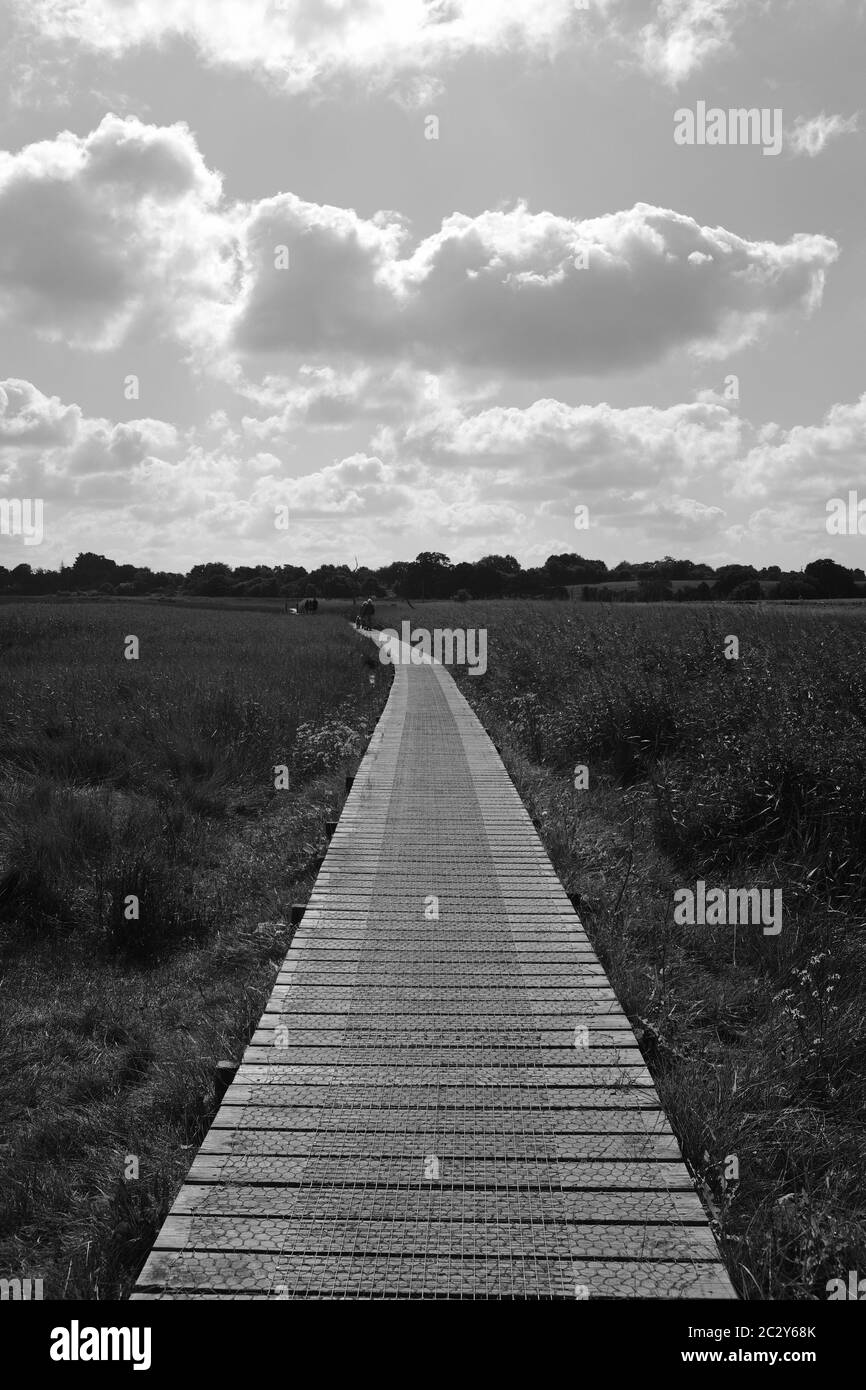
(432,570)
(702,592)
(795,586)
(256,588)
(833,581)
(21,579)
(729,576)
(389,576)
(654,591)
(487,581)
(332,581)
(212,579)
(573,569)
(432,575)
(670,568)
(432,560)
(506,564)
(750,589)
(88,570)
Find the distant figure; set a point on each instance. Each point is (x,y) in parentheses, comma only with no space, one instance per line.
(365,617)
(309,605)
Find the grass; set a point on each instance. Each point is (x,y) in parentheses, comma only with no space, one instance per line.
(156,778)
(152,778)
(745,773)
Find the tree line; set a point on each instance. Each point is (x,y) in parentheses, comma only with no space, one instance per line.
(432,575)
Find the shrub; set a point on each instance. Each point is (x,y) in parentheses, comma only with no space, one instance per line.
(750,589)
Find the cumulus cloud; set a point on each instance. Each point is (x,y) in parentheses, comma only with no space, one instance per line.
(671,518)
(302,44)
(28,419)
(380,500)
(98,233)
(548,449)
(140,486)
(680,472)
(128,226)
(810,136)
(51,449)
(696,476)
(805,461)
(323,398)
(514,291)
(399,44)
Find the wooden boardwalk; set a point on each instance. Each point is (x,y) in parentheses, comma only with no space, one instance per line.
(438,1107)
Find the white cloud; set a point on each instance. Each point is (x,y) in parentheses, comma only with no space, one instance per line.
(100,233)
(75,463)
(695,477)
(402,44)
(32,421)
(128,228)
(28,419)
(299,44)
(806,461)
(324,398)
(810,136)
(507,290)
(677,473)
(683,35)
(681,519)
(548,450)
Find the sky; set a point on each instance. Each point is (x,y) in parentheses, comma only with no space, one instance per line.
(453,275)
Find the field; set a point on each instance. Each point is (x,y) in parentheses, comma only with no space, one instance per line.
(745,773)
(155,778)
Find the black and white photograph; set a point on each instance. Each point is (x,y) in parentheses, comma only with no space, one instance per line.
(432,681)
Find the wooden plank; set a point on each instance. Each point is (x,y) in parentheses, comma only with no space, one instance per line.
(296,1276)
(316,1236)
(442,1204)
